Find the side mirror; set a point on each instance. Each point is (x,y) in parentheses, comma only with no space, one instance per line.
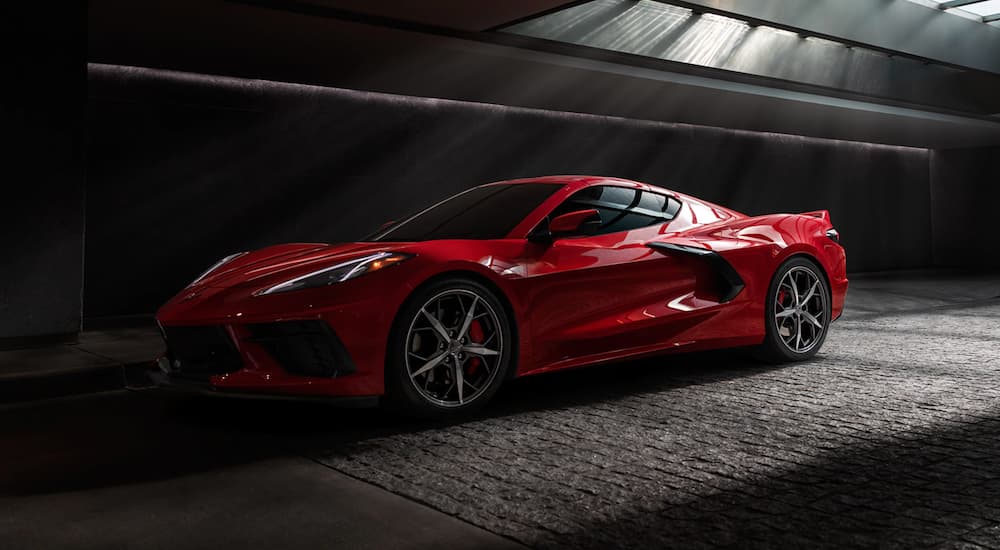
(566,224)
(574,222)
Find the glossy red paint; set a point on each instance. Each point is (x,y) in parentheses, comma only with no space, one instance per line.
(576,301)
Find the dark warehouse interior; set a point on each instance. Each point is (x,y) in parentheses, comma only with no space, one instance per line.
(148,140)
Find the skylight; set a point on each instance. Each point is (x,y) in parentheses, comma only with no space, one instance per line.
(987,11)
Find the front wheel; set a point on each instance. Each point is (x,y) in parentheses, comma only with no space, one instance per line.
(797,312)
(449,350)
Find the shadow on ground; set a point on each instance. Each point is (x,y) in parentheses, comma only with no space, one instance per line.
(120,438)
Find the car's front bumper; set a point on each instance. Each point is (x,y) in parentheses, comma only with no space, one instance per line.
(351,321)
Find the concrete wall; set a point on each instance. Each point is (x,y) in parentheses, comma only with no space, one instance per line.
(185,169)
(41,209)
(965,193)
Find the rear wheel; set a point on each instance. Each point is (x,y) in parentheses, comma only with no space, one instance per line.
(797,312)
(449,350)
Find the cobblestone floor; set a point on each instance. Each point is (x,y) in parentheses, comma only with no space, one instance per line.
(889,438)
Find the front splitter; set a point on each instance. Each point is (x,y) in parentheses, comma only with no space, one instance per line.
(166,382)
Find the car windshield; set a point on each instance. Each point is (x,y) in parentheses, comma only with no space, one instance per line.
(487,212)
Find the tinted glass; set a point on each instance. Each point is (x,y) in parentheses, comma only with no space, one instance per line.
(626,221)
(618,196)
(653,201)
(621,208)
(489,212)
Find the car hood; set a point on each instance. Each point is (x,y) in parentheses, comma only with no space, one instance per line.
(282,262)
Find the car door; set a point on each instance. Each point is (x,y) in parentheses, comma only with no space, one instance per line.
(605,291)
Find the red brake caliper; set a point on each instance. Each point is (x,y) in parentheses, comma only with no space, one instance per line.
(475,335)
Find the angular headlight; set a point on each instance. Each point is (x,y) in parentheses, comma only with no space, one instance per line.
(217,265)
(340,272)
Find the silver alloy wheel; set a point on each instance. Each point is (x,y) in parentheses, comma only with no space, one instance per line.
(800,305)
(454,347)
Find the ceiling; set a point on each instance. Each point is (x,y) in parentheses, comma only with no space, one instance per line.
(683,34)
(463,15)
(440,52)
(913,28)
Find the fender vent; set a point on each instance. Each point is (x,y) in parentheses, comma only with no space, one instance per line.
(730,282)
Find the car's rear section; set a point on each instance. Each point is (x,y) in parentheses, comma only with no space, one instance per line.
(832,257)
(794,270)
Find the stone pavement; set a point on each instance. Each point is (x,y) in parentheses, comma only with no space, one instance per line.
(889,438)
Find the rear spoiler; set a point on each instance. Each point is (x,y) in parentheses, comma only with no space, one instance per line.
(821,214)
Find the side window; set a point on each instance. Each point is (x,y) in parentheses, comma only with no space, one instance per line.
(662,204)
(621,208)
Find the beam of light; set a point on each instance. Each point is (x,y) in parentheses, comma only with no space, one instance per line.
(572,22)
(655,25)
(710,39)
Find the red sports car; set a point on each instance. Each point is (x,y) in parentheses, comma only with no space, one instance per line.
(507,279)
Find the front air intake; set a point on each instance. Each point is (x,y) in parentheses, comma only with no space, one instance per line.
(305,348)
(199,352)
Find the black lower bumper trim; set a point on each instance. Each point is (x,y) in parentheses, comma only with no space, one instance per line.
(168,383)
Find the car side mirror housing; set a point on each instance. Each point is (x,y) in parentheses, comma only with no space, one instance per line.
(566,224)
(573,222)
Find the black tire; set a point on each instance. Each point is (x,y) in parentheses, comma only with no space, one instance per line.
(780,345)
(402,391)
